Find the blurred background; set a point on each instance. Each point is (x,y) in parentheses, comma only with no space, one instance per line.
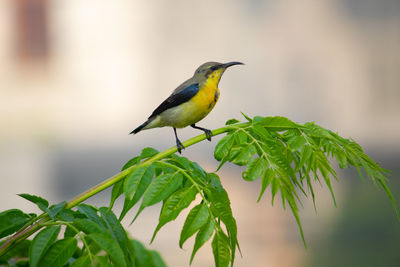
(77,76)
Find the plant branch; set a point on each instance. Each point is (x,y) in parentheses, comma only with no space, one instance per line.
(37,225)
(119,176)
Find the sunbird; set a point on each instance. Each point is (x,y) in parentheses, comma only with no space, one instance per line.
(190,102)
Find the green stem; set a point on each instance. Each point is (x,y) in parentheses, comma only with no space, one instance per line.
(28,231)
(82,237)
(116,178)
(22,235)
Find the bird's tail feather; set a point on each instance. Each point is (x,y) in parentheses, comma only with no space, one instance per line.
(138,129)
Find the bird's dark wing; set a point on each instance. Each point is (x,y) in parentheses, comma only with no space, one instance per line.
(177,98)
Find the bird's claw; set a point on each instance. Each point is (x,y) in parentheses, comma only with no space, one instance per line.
(208,134)
(179,146)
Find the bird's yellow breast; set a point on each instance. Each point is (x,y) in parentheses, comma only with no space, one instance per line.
(205,100)
(197,107)
(208,94)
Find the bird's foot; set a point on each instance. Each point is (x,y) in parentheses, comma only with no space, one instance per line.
(208,134)
(179,146)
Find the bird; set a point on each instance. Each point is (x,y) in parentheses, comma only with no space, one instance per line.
(190,102)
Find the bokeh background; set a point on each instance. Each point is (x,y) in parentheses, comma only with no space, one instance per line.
(77,76)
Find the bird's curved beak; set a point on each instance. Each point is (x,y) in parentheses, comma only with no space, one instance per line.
(229,64)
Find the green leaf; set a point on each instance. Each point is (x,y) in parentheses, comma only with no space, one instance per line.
(68,215)
(275,185)
(41,243)
(293,206)
(309,184)
(240,138)
(197,217)
(314,130)
(117,232)
(223,147)
(246,117)
(174,204)
(231,121)
(191,168)
(39,201)
(88,226)
(305,156)
(109,245)
(233,153)
(56,209)
(136,177)
(197,172)
(296,142)
(162,187)
(255,169)
(181,162)
(83,261)
(114,226)
(280,163)
(277,123)
(266,180)
(390,195)
(148,152)
(257,119)
(142,256)
(20,251)
(203,236)
(131,162)
(322,163)
(245,154)
(117,190)
(156,259)
(128,204)
(221,208)
(341,158)
(69,232)
(140,189)
(261,133)
(103,261)
(11,221)
(221,251)
(59,253)
(145,257)
(91,213)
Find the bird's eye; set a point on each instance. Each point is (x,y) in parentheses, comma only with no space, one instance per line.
(213,68)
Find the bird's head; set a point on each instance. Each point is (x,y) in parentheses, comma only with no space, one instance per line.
(213,70)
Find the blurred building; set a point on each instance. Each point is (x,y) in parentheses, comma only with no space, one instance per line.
(77,76)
